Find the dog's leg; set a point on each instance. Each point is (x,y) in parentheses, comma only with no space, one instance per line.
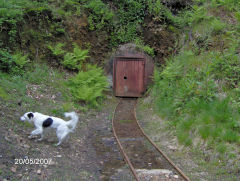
(40,139)
(61,138)
(30,136)
(35,132)
(59,142)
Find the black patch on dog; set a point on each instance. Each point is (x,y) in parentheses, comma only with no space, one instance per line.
(20,103)
(30,115)
(48,122)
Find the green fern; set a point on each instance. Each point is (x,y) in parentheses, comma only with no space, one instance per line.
(146,48)
(76,59)
(57,50)
(89,86)
(20,60)
(14,64)
(192,91)
(100,17)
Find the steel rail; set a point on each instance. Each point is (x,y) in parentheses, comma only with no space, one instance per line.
(159,150)
(149,139)
(121,148)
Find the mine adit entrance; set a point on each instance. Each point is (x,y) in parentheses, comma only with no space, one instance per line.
(129,76)
(132,73)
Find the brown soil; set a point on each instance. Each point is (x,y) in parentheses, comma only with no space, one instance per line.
(123,120)
(224,15)
(90,153)
(159,38)
(97,41)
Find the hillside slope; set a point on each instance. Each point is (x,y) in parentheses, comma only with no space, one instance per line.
(52,54)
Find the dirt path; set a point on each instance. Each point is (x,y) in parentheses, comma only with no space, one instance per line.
(90,154)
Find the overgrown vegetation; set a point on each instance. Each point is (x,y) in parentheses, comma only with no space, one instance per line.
(198,89)
(27,24)
(100,15)
(3,94)
(90,82)
(72,60)
(14,64)
(32,27)
(36,87)
(76,59)
(89,85)
(197,100)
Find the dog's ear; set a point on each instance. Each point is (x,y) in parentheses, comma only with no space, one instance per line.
(30,115)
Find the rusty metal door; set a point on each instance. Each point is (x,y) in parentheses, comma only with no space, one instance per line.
(129,77)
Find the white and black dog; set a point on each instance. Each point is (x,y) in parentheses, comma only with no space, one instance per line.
(42,122)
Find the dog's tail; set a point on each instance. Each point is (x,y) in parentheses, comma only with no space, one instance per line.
(74,120)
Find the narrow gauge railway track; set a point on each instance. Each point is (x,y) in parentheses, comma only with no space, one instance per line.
(139,151)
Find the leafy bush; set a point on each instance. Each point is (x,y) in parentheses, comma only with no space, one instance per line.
(147,49)
(72,60)
(67,8)
(100,17)
(131,11)
(198,89)
(227,67)
(124,34)
(156,8)
(12,63)
(88,86)
(6,61)
(11,15)
(189,92)
(12,19)
(20,60)
(72,6)
(57,50)
(75,60)
(130,16)
(229,4)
